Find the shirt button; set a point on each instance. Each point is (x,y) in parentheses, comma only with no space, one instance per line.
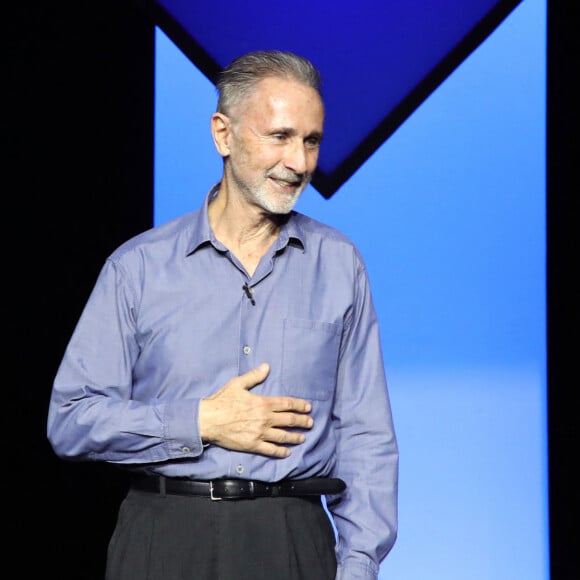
(185,449)
(239,469)
(247,349)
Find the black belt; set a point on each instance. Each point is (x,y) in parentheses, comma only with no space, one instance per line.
(238,488)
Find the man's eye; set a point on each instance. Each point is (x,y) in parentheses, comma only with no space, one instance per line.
(280,137)
(313,142)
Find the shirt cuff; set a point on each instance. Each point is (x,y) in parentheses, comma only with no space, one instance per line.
(353,569)
(181,432)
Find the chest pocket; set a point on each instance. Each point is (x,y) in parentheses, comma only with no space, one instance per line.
(310,358)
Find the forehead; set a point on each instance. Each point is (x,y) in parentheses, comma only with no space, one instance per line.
(283,98)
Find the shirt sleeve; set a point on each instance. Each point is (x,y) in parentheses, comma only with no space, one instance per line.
(91,412)
(365,515)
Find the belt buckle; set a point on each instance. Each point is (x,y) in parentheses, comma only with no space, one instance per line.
(211,495)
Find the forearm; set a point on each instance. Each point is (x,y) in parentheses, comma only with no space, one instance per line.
(99,427)
(365,515)
(100,423)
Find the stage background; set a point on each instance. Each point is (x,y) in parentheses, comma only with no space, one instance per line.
(450,217)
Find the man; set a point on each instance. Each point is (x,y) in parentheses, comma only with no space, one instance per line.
(231,360)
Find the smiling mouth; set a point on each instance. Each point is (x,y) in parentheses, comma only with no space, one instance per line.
(293,183)
(284,183)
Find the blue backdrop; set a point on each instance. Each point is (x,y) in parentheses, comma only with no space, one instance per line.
(449,215)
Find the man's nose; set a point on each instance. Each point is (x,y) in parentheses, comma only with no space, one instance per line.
(296,158)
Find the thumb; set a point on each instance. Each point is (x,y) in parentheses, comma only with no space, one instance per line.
(255,376)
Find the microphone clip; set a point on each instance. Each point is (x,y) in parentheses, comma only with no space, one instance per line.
(249,293)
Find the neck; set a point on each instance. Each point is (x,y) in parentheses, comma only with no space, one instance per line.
(245,229)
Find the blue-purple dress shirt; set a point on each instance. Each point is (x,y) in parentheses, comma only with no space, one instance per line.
(168,323)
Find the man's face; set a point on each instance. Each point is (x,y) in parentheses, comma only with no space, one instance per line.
(274,143)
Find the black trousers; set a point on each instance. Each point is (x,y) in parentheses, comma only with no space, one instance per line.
(171,537)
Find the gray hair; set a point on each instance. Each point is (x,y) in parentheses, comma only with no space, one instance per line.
(239,79)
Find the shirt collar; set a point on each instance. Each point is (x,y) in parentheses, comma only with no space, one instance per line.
(201,233)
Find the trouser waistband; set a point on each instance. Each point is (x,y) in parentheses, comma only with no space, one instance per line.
(238,488)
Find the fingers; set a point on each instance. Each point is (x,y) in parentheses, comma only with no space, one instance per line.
(274,443)
(276,404)
(236,419)
(279,404)
(288,419)
(290,405)
(271,450)
(254,377)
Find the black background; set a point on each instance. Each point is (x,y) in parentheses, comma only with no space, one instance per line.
(78,159)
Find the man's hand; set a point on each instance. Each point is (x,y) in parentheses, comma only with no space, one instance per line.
(236,419)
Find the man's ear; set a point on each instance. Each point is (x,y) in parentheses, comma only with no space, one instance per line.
(221,130)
